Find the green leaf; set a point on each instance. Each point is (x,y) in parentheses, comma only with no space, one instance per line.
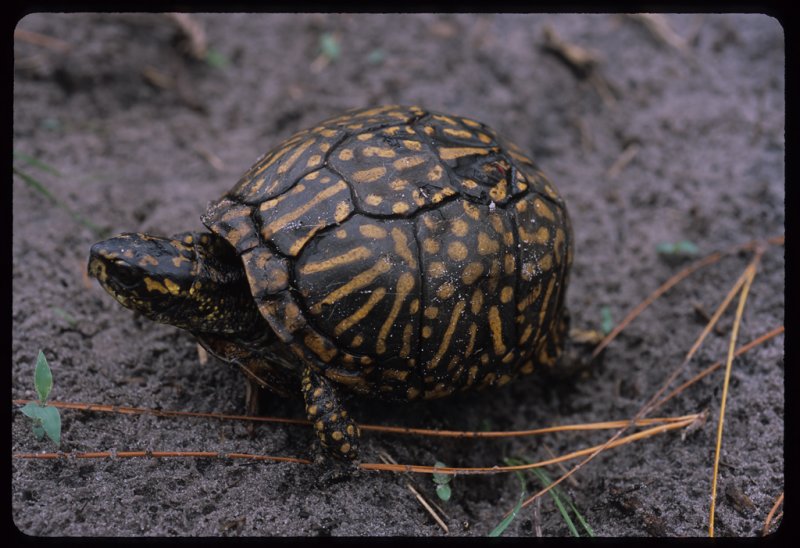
(329,46)
(439,478)
(31,410)
(51,423)
(43,377)
(216,59)
(444,491)
(46,420)
(545,480)
(37,163)
(503,525)
(375,56)
(606,320)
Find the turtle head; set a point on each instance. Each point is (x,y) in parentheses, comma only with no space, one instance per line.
(193,281)
(145,273)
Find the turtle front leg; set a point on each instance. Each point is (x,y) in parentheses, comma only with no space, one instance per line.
(337,432)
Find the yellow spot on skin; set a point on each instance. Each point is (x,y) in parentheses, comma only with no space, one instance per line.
(318,392)
(314,161)
(487,245)
(472,211)
(317,345)
(372,231)
(402,249)
(484,138)
(471,273)
(400,207)
(380,152)
(153,285)
(361,313)
(337,436)
(543,211)
(476,302)
(506,294)
(558,244)
(527,368)
(356,254)
(526,334)
(469,183)
(437,269)
(346,154)
(398,184)
(431,312)
(364,137)
(464,134)
(148,260)
(473,331)
(459,227)
(405,350)
(416,146)
(503,380)
(435,173)
(427,332)
(509,263)
(342,210)
(412,393)
(312,410)
(357,340)
(496,327)
(405,284)
(414,306)
(499,191)
(345,448)
(373,199)
(448,335)
(546,262)
(369,175)
(430,245)
(408,162)
(357,282)
(457,251)
(350,429)
(508,358)
(172,286)
(445,290)
(452,153)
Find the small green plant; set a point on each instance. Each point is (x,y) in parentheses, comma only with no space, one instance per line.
(678,250)
(329,46)
(503,525)
(442,482)
(46,419)
(606,320)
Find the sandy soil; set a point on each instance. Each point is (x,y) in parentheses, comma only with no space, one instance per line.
(142,136)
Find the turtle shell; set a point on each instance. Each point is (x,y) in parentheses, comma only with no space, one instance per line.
(403,253)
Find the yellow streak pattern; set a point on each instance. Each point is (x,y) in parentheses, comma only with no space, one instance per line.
(355,254)
(365,278)
(404,286)
(448,334)
(361,313)
(281,221)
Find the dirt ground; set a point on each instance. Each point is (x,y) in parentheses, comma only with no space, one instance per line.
(664,140)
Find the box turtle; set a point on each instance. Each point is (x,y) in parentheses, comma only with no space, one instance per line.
(391,252)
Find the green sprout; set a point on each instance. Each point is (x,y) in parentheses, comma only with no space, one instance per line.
(46,419)
(442,482)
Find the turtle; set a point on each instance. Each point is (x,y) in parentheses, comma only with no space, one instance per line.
(391,252)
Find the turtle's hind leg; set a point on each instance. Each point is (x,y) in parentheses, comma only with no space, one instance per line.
(337,432)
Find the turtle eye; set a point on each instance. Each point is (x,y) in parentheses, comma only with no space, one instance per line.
(125,274)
